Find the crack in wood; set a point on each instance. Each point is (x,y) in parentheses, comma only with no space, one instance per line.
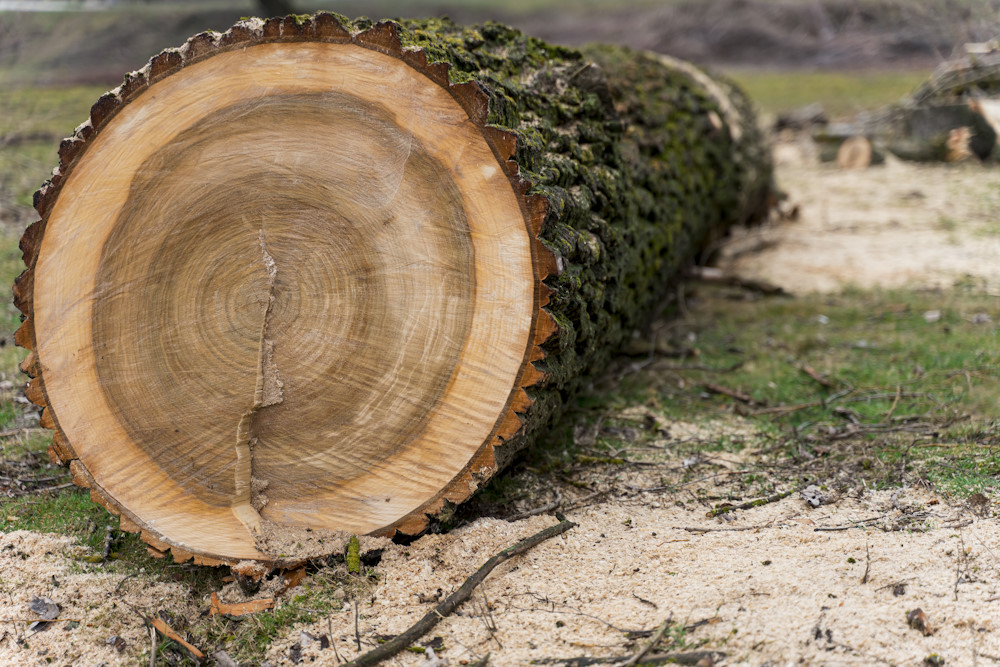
(248,497)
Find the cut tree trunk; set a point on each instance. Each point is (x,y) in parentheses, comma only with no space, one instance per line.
(311,278)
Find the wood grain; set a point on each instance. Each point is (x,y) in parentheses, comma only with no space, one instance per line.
(390,328)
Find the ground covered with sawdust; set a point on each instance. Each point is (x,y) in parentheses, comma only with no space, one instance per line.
(901,575)
(902,224)
(782,583)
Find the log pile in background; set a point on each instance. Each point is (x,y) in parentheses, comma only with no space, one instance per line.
(309,277)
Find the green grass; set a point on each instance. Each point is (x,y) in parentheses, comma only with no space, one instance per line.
(840,93)
(871,343)
(32,122)
(908,387)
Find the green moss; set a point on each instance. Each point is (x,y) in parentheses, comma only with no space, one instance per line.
(354,555)
(636,176)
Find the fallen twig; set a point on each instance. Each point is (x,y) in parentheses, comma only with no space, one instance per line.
(539,510)
(731,393)
(106,550)
(53,488)
(645,601)
(712,274)
(782,409)
(895,402)
(687,658)
(357,634)
(811,372)
(401,641)
(654,640)
(695,529)
(719,511)
(864,523)
(18,431)
(868,564)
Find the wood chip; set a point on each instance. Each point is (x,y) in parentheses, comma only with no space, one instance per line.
(293,578)
(239,608)
(169,633)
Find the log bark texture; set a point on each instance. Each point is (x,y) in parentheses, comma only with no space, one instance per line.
(313,277)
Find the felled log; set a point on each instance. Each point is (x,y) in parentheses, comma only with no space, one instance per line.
(310,278)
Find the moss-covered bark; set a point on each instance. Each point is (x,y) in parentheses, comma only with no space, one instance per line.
(642,167)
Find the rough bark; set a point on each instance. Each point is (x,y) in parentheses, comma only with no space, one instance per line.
(626,165)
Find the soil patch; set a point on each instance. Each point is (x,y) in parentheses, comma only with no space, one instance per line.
(900,224)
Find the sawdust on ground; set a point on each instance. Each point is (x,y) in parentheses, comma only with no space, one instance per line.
(766,587)
(901,224)
(100,621)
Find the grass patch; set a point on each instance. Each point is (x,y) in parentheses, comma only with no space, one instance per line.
(886,383)
(840,93)
(32,123)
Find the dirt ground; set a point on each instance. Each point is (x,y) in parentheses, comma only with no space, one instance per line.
(778,584)
(899,224)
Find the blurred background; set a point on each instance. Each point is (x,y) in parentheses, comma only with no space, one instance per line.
(821,59)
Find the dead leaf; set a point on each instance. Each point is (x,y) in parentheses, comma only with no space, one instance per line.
(917,620)
(239,608)
(46,609)
(117,642)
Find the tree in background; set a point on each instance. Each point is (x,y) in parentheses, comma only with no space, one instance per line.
(270,8)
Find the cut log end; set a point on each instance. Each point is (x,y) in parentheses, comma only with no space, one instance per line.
(287,285)
(855,153)
(304,305)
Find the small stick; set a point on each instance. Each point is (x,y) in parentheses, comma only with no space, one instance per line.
(106,551)
(811,372)
(693,529)
(152,646)
(653,641)
(868,564)
(782,409)
(719,511)
(539,510)
(645,601)
(689,658)
(863,523)
(732,393)
(53,488)
(18,431)
(424,625)
(333,640)
(895,402)
(357,635)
